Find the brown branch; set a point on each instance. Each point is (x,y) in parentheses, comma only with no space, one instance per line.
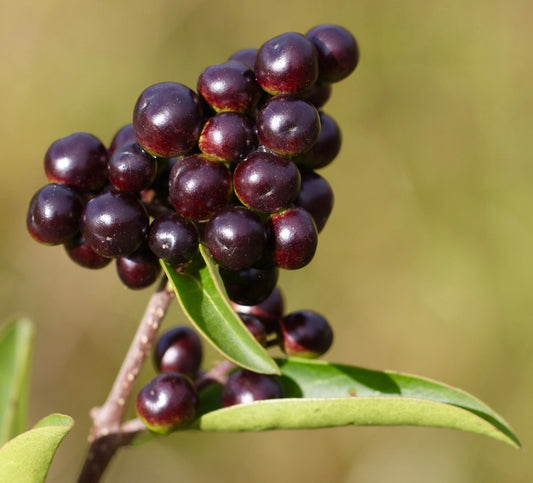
(107,434)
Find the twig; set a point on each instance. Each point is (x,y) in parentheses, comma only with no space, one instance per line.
(107,434)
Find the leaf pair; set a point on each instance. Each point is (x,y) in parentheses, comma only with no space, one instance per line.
(318,394)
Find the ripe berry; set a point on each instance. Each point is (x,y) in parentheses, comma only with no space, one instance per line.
(125,135)
(246,56)
(256,328)
(79,160)
(228,136)
(245,386)
(173,238)
(179,350)
(199,187)
(325,148)
(316,197)
(305,334)
(317,95)
(286,64)
(338,53)
(287,125)
(295,238)
(230,86)
(114,223)
(250,286)
(131,168)
(167,402)
(167,119)
(54,214)
(235,237)
(266,182)
(269,311)
(139,269)
(80,252)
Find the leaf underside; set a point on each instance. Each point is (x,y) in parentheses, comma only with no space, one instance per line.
(321,394)
(27,457)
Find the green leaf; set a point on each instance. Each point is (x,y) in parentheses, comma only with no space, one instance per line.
(27,457)
(321,394)
(200,293)
(16,337)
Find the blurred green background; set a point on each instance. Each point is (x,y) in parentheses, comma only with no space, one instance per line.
(425,266)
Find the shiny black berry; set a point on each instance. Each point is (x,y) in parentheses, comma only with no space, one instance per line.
(295,238)
(179,349)
(81,253)
(173,238)
(269,311)
(199,187)
(79,160)
(139,269)
(167,119)
(131,168)
(255,326)
(266,182)
(338,53)
(250,286)
(247,56)
(230,86)
(54,214)
(114,223)
(168,402)
(287,125)
(305,334)
(245,386)
(235,237)
(286,64)
(316,197)
(125,135)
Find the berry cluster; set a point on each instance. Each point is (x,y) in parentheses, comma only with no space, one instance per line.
(170,399)
(232,165)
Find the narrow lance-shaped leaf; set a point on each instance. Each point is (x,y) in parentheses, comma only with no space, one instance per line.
(320,394)
(16,338)
(200,293)
(27,457)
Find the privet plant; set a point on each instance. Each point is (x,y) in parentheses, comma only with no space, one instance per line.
(216,190)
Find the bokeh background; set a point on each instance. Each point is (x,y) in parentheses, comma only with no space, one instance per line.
(426,264)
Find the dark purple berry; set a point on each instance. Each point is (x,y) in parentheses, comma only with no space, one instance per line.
(325,148)
(199,187)
(246,56)
(266,182)
(269,311)
(169,401)
(250,286)
(79,160)
(125,135)
(316,197)
(256,327)
(305,334)
(287,125)
(338,53)
(235,237)
(167,119)
(230,86)
(114,223)
(245,386)
(54,214)
(295,238)
(228,136)
(286,64)
(139,269)
(317,95)
(179,350)
(131,168)
(173,238)
(80,252)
